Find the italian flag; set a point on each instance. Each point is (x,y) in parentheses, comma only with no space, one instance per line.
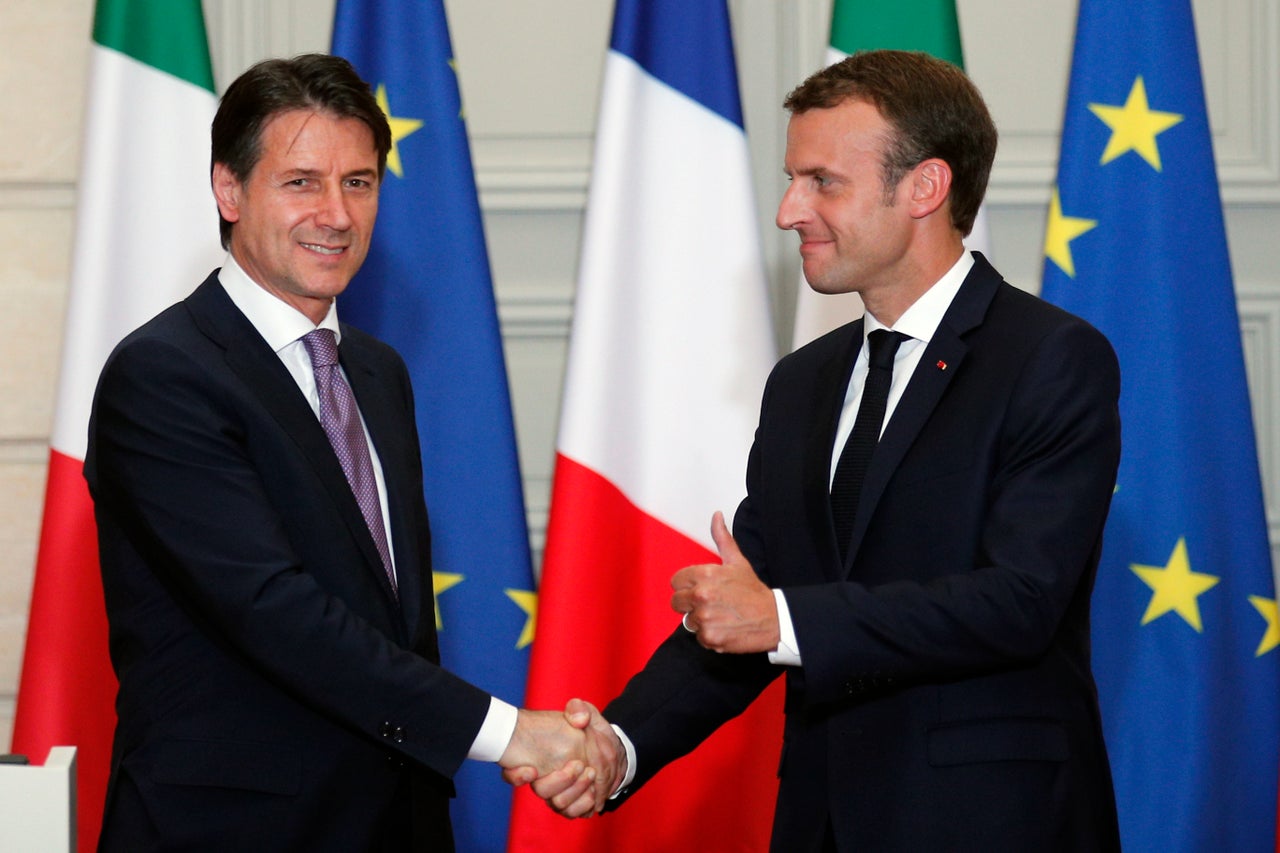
(927,25)
(670,346)
(146,234)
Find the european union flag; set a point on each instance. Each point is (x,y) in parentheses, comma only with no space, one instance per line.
(1185,627)
(426,290)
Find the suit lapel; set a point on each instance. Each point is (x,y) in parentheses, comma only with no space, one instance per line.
(830,387)
(267,379)
(941,361)
(390,432)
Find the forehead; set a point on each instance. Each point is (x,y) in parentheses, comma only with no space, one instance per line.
(853,129)
(315,138)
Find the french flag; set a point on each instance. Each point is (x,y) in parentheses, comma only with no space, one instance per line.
(670,347)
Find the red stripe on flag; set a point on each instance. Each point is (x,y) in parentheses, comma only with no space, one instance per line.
(603,607)
(66,696)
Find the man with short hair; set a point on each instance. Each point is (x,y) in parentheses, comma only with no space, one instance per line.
(925,503)
(265,552)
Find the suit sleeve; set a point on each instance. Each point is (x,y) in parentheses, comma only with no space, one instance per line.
(1047,477)
(175,467)
(683,694)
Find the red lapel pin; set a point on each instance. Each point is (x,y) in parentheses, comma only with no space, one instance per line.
(942,365)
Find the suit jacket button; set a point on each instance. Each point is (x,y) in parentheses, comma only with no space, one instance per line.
(397,734)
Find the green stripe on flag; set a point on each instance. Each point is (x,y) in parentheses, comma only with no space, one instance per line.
(928,25)
(168,35)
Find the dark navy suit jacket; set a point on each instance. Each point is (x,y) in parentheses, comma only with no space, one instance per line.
(274,695)
(945,700)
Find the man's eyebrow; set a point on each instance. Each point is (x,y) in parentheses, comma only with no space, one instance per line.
(806,170)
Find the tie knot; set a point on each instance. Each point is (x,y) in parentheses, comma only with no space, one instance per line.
(322,347)
(884,345)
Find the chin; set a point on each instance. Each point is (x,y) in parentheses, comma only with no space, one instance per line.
(823,287)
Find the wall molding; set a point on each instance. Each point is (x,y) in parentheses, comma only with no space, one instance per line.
(243,31)
(536,313)
(25,450)
(8,709)
(1259,308)
(532,173)
(35,195)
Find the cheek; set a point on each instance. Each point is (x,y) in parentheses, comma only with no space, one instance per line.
(367,216)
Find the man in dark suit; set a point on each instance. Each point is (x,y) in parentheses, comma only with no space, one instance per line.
(930,611)
(268,583)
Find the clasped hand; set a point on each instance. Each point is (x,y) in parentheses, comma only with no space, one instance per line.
(573,759)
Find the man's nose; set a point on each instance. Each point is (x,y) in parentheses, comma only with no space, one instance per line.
(791,208)
(333,212)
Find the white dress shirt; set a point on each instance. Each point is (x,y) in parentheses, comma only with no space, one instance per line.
(283,326)
(918,323)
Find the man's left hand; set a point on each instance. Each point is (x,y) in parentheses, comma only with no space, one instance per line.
(726,605)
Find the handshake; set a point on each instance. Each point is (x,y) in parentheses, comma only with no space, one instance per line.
(574,760)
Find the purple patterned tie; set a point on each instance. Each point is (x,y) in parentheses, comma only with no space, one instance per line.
(341,421)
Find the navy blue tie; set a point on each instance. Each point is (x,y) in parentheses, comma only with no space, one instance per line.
(856,456)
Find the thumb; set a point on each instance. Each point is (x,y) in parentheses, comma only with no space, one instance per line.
(578,713)
(517,776)
(724,540)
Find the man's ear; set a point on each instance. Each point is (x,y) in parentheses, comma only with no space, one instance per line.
(227,191)
(930,183)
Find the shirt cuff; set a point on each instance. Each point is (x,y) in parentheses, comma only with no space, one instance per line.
(630,775)
(788,651)
(496,732)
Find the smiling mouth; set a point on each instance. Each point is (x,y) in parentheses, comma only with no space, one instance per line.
(324,250)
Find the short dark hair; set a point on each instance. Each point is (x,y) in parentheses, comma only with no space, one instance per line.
(312,81)
(934,108)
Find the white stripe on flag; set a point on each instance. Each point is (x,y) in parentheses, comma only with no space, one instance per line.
(671,337)
(146,225)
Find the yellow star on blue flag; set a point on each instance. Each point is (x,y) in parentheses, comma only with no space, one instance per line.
(440,582)
(400,128)
(527,601)
(1134,126)
(1175,587)
(1060,231)
(1267,608)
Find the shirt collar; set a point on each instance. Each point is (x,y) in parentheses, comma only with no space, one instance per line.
(279,323)
(922,319)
